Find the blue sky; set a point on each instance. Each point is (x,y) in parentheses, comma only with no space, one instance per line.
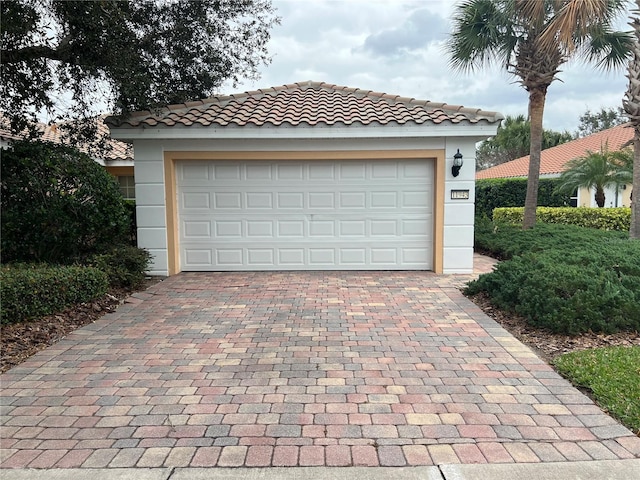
(396,47)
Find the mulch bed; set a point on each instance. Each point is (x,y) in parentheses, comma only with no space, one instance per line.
(547,344)
(19,341)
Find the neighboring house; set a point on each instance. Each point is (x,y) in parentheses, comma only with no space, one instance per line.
(118,161)
(306,176)
(553,162)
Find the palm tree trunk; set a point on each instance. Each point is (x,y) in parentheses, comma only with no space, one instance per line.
(599,196)
(634,231)
(537,98)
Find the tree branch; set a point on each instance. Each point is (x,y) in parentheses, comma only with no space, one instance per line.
(30,53)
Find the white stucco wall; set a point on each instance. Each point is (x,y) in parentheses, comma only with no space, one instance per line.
(458,214)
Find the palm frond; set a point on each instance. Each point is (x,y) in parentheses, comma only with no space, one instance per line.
(609,49)
(480,32)
(575,21)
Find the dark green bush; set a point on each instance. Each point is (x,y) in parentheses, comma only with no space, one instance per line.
(563,278)
(505,241)
(30,291)
(511,192)
(57,204)
(124,265)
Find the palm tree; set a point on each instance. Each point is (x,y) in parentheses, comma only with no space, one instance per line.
(631,105)
(531,39)
(594,170)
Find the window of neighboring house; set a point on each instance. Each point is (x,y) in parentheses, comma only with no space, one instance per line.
(573,202)
(127,187)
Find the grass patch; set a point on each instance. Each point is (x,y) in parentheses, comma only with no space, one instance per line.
(612,374)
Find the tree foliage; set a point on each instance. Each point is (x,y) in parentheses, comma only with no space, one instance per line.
(57,204)
(531,39)
(513,140)
(65,57)
(606,118)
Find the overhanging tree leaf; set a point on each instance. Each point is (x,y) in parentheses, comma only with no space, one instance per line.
(66,57)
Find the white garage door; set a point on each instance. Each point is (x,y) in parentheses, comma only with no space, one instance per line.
(305,215)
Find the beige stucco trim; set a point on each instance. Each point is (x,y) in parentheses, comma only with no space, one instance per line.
(120,171)
(438,211)
(171,158)
(171,208)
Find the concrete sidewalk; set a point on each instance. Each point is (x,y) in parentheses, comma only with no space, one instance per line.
(594,470)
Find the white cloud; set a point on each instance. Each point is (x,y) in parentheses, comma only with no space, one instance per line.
(397,47)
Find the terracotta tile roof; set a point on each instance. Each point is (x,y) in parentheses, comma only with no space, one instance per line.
(306,103)
(553,160)
(52,133)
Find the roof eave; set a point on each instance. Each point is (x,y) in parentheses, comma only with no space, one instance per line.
(482,129)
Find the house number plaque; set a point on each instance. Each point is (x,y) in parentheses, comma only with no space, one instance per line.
(459,194)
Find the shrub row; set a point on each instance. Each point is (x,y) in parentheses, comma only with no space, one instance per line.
(493,193)
(564,278)
(30,291)
(600,218)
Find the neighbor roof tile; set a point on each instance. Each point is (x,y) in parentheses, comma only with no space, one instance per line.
(554,159)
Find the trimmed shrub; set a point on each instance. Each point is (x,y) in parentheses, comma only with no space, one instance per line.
(57,204)
(30,291)
(493,193)
(600,218)
(124,265)
(565,278)
(506,241)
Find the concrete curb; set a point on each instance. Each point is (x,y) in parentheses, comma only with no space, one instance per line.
(590,470)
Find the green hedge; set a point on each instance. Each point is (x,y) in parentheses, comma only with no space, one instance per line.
(564,278)
(600,218)
(124,265)
(493,193)
(30,291)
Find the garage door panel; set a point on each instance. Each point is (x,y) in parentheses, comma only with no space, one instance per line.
(290,200)
(305,215)
(384,256)
(228,229)
(196,200)
(384,171)
(290,171)
(197,229)
(198,257)
(259,229)
(259,200)
(352,171)
(290,228)
(226,200)
(227,257)
(352,228)
(384,199)
(257,172)
(352,200)
(322,171)
(227,172)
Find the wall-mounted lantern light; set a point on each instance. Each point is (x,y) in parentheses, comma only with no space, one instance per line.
(457,164)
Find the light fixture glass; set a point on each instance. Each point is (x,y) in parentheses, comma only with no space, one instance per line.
(457,164)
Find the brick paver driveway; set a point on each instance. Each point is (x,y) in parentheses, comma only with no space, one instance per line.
(283,369)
